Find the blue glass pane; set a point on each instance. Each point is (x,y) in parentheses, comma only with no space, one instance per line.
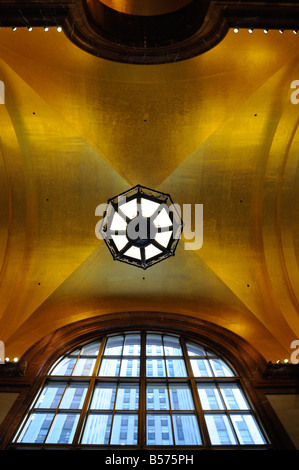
(157,397)
(51,396)
(63,428)
(36,428)
(180,397)
(74,397)
(176,368)
(155,368)
(125,429)
(127,397)
(220,430)
(91,349)
(84,367)
(114,346)
(103,397)
(247,430)
(110,368)
(186,430)
(172,346)
(97,429)
(64,367)
(159,430)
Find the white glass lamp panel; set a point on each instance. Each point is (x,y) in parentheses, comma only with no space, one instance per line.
(118,222)
(151,251)
(148,207)
(133,252)
(163,219)
(120,241)
(163,238)
(129,208)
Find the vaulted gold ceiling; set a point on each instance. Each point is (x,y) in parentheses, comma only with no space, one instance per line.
(218,130)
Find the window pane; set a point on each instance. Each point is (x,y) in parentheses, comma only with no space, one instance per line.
(210,397)
(125,428)
(91,349)
(130,368)
(195,349)
(247,429)
(201,368)
(74,396)
(84,366)
(172,346)
(110,368)
(64,367)
(157,397)
(220,430)
(186,430)
(97,429)
(103,397)
(155,368)
(36,428)
(51,396)
(114,346)
(176,368)
(220,369)
(159,430)
(233,397)
(127,397)
(154,345)
(132,345)
(180,397)
(63,428)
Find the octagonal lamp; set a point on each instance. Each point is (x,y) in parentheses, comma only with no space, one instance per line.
(141,227)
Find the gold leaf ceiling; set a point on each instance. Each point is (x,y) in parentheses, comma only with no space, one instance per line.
(218,130)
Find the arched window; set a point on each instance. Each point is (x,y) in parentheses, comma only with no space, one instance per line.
(141,389)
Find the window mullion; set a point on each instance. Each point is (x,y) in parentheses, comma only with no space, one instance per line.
(142,393)
(199,411)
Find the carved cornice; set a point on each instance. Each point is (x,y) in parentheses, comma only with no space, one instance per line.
(149,39)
